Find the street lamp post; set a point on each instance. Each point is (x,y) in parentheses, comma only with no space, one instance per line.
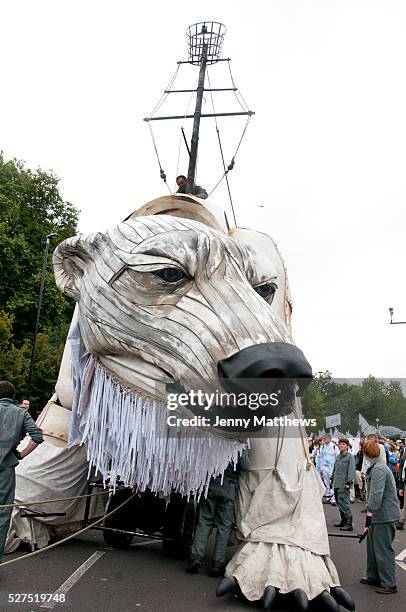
(392,322)
(41,291)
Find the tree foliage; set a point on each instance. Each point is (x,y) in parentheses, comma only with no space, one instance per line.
(31,207)
(372,397)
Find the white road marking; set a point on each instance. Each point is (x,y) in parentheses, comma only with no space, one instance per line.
(400,558)
(73,579)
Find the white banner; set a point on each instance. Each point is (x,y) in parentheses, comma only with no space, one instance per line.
(363,424)
(333,420)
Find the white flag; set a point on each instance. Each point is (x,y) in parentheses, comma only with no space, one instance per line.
(333,420)
(363,424)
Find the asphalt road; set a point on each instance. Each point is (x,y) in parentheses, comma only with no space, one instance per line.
(142,578)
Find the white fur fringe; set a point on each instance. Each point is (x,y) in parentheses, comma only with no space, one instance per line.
(128,438)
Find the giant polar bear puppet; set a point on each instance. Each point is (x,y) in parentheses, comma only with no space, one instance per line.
(161,298)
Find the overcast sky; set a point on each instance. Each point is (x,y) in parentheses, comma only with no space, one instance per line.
(324,155)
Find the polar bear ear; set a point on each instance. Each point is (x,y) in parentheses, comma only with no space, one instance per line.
(70,260)
(269,265)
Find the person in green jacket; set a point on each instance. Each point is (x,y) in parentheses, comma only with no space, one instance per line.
(217,510)
(15,424)
(380,524)
(343,478)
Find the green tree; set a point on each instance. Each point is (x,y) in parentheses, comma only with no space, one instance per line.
(313,404)
(394,405)
(345,401)
(325,383)
(31,207)
(47,362)
(373,398)
(14,363)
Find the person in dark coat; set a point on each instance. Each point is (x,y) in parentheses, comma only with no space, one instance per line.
(402,493)
(359,480)
(217,510)
(15,424)
(380,523)
(343,479)
(198,191)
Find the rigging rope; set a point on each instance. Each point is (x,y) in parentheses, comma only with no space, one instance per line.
(155,109)
(51,501)
(161,171)
(182,130)
(73,535)
(279,446)
(221,151)
(165,94)
(232,163)
(243,105)
(304,443)
(179,147)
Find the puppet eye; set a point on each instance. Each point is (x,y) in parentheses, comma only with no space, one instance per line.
(267,291)
(170,275)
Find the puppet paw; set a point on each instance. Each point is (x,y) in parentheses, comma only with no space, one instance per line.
(227,585)
(301,600)
(326,602)
(343,598)
(269,597)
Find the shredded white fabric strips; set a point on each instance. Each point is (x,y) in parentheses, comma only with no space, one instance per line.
(128,439)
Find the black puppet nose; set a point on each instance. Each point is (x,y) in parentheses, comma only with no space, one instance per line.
(271,360)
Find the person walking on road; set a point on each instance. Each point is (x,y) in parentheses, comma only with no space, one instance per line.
(380,522)
(365,464)
(328,454)
(343,479)
(216,510)
(15,424)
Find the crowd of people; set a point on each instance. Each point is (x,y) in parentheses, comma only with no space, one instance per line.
(374,471)
(324,452)
(366,471)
